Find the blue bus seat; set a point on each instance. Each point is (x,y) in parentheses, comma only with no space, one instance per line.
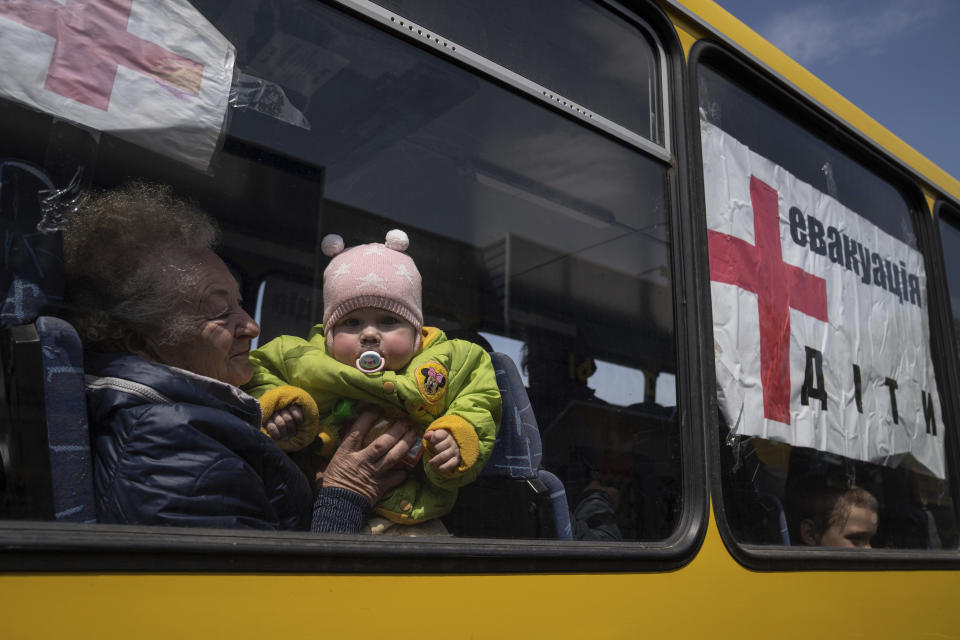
(513,497)
(44,437)
(68,436)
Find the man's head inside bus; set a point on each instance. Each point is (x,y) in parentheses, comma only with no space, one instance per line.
(824,514)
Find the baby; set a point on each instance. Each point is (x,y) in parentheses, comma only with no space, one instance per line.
(372,348)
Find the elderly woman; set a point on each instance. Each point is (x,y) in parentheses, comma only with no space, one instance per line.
(175,440)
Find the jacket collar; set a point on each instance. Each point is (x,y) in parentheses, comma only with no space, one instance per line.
(177,384)
(429,335)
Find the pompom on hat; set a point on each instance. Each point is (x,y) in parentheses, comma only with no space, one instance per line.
(377,276)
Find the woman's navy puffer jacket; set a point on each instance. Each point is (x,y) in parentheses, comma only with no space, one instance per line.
(173,448)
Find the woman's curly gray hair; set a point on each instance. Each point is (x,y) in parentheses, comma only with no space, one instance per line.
(131,259)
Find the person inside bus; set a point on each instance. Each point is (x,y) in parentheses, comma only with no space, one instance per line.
(825,514)
(372,347)
(558,370)
(595,515)
(174,439)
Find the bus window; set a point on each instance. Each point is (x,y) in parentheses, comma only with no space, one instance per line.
(950,237)
(525,224)
(829,404)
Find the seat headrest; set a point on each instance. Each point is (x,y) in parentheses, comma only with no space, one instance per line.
(31,277)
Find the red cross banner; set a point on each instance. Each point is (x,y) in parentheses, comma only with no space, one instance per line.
(153,72)
(821,330)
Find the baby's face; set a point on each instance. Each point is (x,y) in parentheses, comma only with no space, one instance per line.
(373,330)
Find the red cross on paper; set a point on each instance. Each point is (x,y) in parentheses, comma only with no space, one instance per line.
(92,41)
(779,287)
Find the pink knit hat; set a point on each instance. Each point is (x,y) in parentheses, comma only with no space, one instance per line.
(377,276)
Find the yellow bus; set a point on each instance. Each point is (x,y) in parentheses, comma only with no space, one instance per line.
(726,292)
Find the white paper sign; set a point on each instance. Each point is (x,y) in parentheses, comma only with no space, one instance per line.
(154,73)
(820,320)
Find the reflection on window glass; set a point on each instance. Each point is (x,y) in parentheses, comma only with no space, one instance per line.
(617,384)
(666,390)
(508,346)
(612,383)
(535,236)
(831,429)
(574,48)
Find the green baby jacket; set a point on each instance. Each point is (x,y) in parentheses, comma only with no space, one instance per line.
(449,384)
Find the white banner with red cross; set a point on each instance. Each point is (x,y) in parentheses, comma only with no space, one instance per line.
(820,323)
(153,72)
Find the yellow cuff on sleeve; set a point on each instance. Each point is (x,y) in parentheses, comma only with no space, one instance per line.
(328,442)
(466,437)
(281,397)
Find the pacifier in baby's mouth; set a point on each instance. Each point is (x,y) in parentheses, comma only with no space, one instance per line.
(370,362)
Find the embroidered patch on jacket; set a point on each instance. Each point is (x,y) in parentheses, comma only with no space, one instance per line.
(432,381)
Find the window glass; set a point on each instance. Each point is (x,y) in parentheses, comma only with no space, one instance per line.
(528,228)
(575,48)
(831,428)
(950,237)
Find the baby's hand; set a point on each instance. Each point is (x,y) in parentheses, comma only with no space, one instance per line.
(285,423)
(446,451)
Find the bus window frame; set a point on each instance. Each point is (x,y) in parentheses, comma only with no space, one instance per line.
(43,546)
(949,210)
(780,95)
(421,36)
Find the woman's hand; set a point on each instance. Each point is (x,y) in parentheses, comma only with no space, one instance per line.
(374,469)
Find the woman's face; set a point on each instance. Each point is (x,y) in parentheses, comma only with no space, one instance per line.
(220,349)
